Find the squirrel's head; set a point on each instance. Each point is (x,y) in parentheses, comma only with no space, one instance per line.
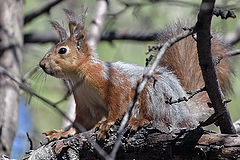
(63,59)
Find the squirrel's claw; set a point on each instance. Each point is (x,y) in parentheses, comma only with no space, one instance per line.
(103,127)
(134,123)
(58,134)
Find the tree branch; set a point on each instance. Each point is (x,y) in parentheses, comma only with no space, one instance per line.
(233,53)
(106,36)
(150,142)
(208,67)
(37,12)
(142,36)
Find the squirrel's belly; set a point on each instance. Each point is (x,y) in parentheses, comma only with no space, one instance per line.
(91,100)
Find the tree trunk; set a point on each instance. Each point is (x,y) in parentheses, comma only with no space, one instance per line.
(11,41)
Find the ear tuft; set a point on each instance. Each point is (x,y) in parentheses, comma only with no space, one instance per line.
(72,17)
(83,15)
(61,32)
(76,23)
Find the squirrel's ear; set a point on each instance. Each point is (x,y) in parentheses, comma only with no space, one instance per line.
(76,24)
(61,33)
(73,20)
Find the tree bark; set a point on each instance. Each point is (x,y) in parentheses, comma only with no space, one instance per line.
(11,41)
(207,65)
(149,142)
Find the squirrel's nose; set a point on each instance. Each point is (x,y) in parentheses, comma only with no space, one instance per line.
(42,65)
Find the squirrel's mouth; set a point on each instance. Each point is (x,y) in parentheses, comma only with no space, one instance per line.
(46,70)
(54,73)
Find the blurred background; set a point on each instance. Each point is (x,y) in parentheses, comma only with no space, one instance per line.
(145,16)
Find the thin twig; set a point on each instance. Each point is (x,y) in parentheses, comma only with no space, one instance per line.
(229,54)
(114,15)
(30,141)
(234,53)
(68,94)
(154,48)
(191,95)
(65,97)
(140,87)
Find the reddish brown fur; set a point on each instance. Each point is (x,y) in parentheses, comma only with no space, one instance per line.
(182,59)
(143,105)
(106,89)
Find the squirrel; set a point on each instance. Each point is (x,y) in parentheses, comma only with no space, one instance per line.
(104,89)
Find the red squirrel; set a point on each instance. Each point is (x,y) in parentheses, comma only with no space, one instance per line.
(105,89)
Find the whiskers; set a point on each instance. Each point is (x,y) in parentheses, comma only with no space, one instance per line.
(36,79)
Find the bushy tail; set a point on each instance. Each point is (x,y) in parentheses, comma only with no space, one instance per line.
(182,60)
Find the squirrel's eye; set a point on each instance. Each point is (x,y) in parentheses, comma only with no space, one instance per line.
(62,50)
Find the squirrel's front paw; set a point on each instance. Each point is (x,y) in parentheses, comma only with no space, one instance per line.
(57,134)
(134,123)
(103,127)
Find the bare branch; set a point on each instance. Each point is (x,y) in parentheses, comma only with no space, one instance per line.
(208,66)
(146,35)
(181,99)
(30,141)
(40,38)
(233,53)
(106,36)
(37,12)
